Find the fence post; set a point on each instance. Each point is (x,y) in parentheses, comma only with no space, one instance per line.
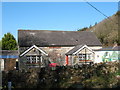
(9,85)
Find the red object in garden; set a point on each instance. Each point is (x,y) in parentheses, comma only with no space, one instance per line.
(52,64)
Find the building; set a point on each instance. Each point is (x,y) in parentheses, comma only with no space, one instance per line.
(8,60)
(107,54)
(37,47)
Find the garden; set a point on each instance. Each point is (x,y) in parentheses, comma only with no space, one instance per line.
(102,75)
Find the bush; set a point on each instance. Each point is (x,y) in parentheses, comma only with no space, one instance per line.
(89,76)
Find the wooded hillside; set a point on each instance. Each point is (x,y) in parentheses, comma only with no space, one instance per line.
(107,30)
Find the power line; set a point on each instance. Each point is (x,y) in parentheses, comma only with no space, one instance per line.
(96,9)
(99,11)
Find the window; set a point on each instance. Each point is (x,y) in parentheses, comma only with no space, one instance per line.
(84,56)
(33,59)
(88,56)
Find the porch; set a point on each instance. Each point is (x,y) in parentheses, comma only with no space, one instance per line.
(80,54)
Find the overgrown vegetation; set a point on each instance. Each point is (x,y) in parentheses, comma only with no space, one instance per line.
(104,75)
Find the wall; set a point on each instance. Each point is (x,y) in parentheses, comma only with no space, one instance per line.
(23,60)
(95,47)
(56,54)
(1,64)
(9,64)
(100,56)
(74,59)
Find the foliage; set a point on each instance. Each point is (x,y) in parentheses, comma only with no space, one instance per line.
(55,57)
(106,30)
(9,42)
(0,45)
(95,23)
(90,26)
(86,76)
(83,29)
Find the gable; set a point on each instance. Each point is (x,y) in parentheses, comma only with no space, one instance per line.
(79,48)
(31,51)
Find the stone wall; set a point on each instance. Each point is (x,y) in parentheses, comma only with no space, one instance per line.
(55,54)
(9,64)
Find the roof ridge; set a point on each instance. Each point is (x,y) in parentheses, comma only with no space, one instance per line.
(50,30)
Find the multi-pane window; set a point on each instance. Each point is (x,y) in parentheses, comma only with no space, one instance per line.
(84,56)
(81,56)
(33,59)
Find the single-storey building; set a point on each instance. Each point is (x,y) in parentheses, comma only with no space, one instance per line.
(37,47)
(8,60)
(107,54)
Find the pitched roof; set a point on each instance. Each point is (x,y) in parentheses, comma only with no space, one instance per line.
(74,49)
(117,48)
(56,38)
(34,46)
(77,48)
(8,52)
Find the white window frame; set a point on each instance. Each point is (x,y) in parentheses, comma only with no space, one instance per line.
(33,59)
(83,56)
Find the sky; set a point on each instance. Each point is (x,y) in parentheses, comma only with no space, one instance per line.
(61,16)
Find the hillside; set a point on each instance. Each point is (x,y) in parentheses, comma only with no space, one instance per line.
(107,30)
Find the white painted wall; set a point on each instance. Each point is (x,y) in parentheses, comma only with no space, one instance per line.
(95,47)
(99,54)
(1,64)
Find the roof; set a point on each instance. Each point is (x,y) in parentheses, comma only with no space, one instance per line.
(74,50)
(56,38)
(34,46)
(117,48)
(78,48)
(8,53)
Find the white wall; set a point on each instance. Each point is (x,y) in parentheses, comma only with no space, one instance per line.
(95,47)
(100,54)
(1,64)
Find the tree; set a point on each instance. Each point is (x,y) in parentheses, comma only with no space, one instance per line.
(9,42)
(0,44)
(95,23)
(90,26)
(83,29)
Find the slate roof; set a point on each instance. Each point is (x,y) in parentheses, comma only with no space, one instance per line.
(74,50)
(117,48)
(27,38)
(8,52)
